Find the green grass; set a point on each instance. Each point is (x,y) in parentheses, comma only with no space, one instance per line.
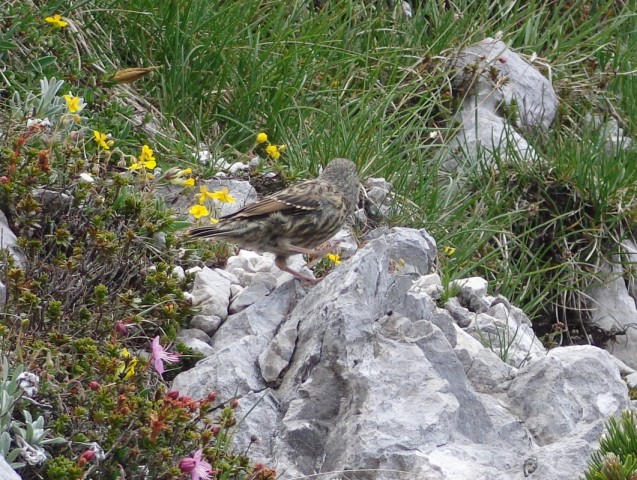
(360,80)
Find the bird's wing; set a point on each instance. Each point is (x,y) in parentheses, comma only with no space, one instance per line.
(297,198)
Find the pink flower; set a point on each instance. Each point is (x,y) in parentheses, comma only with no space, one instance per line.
(159,355)
(199,469)
(122,328)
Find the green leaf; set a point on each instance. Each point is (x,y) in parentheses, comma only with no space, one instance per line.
(43,62)
(6,45)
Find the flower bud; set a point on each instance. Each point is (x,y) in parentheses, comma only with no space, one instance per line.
(173,394)
(129,75)
(187,464)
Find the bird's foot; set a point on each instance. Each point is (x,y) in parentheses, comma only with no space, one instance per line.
(281,263)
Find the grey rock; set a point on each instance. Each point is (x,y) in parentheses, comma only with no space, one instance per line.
(613,310)
(9,240)
(179,272)
(228,276)
(629,260)
(461,315)
(581,384)
(473,293)
(211,293)
(266,279)
(248,296)
(364,373)
(535,98)
(378,182)
(235,290)
(6,472)
(199,346)
(233,369)
(377,195)
(260,416)
(486,372)
(228,371)
(206,323)
(430,285)
(514,343)
(360,216)
(344,243)
(616,138)
(187,334)
(251,267)
(497,77)
(52,199)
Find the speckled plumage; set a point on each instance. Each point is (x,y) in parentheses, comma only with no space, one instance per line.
(295,220)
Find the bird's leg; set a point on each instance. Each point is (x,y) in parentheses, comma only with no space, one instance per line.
(281,262)
(319,254)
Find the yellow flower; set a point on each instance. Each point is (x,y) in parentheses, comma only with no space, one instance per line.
(73,103)
(262,137)
(214,220)
(102,140)
(334,258)
(150,164)
(146,160)
(281,148)
(204,194)
(124,353)
(272,151)
(198,211)
(223,196)
(176,177)
(130,370)
(449,251)
(147,155)
(56,20)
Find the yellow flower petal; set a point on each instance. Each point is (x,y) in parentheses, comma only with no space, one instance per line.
(148,156)
(73,103)
(222,195)
(203,194)
(198,211)
(272,151)
(150,164)
(56,20)
(130,370)
(262,137)
(334,258)
(449,251)
(102,140)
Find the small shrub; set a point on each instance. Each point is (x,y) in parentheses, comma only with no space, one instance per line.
(616,458)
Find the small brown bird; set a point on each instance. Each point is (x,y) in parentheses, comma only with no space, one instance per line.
(295,220)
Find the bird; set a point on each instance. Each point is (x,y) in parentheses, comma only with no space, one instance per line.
(295,220)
